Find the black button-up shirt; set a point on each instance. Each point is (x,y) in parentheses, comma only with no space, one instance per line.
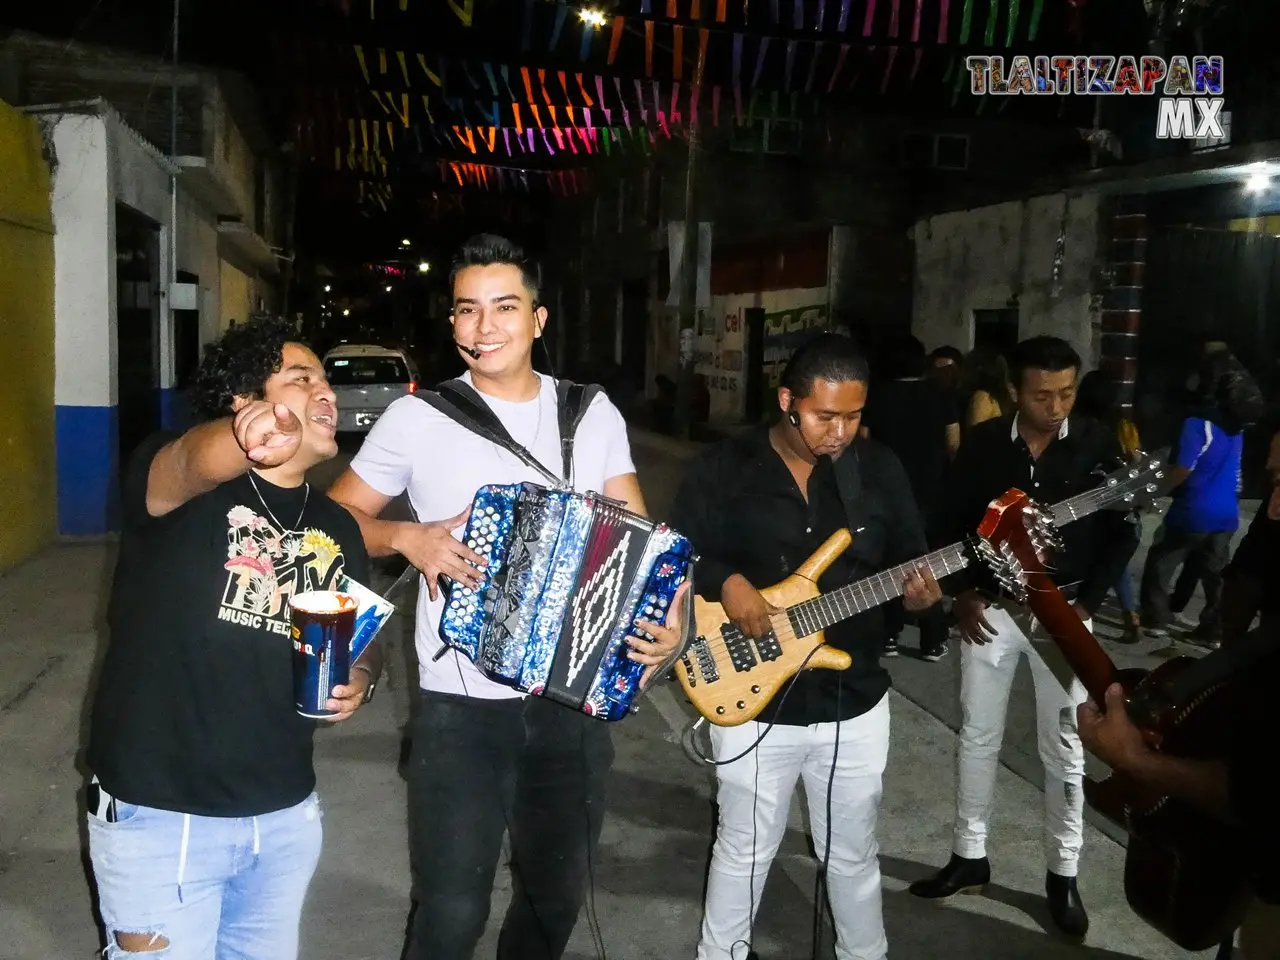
(995,458)
(742,509)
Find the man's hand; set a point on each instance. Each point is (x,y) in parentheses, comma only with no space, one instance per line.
(920,590)
(744,605)
(970,611)
(1109,734)
(666,638)
(346,699)
(432,548)
(268,433)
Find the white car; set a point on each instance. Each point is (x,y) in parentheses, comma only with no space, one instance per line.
(366,379)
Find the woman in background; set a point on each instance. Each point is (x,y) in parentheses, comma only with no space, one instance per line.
(985,393)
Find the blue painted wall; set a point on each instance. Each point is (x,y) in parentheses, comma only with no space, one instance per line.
(88,464)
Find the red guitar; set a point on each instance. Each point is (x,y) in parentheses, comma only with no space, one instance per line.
(1182,870)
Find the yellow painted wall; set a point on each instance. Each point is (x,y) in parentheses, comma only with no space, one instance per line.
(235,296)
(28,485)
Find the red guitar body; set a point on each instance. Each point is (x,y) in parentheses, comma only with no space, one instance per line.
(1183,872)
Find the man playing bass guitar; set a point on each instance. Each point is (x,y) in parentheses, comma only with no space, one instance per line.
(1047,454)
(757,507)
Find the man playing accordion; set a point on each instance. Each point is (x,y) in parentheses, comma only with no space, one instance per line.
(486,760)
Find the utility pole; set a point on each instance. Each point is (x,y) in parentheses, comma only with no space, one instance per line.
(689,270)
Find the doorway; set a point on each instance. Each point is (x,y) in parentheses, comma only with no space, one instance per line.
(996,330)
(137,323)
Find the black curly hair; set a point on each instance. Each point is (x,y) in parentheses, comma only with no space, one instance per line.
(239,364)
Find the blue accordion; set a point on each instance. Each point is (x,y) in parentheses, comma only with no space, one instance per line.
(568,576)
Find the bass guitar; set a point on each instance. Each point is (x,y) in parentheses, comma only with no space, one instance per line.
(730,677)
(1182,870)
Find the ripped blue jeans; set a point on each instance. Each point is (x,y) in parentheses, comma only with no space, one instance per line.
(183,887)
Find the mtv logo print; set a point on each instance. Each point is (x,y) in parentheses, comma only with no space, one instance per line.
(266,567)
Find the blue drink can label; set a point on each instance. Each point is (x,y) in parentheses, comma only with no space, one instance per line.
(321,624)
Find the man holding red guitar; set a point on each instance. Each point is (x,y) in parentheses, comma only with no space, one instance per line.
(1238,789)
(1043,452)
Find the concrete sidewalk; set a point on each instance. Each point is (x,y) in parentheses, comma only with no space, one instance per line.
(648,884)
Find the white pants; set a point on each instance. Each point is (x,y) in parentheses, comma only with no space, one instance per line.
(762,783)
(986,675)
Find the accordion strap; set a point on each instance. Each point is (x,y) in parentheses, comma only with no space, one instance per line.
(573,401)
(460,402)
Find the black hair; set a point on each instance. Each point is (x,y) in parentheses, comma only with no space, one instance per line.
(1227,393)
(239,364)
(487,249)
(947,352)
(987,370)
(827,356)
(901,356)
(1097,398)
(1051,354)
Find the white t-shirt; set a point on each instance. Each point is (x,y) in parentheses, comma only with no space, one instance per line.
(442,464)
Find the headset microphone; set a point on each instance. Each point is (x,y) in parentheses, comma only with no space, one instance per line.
(794,418)
(472,352)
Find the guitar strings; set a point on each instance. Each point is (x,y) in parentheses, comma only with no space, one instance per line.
(1093,499)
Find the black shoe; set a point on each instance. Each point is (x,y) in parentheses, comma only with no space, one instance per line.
(960,875)
(934,654)
(890,647)
(1065,906)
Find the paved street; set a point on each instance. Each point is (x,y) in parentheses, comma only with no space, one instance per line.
(648,884)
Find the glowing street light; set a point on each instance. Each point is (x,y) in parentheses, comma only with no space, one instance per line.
(388,288)
(406,242)
(327,288)
(346,312)
(424,267)
(592,18)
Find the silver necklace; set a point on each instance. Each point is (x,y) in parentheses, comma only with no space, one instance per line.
(306,495)
(537,431)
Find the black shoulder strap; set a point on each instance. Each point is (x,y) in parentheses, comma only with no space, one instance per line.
(459,402)
(572,402)
(848,470)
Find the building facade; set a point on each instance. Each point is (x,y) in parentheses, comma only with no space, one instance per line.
(27,473)
(156,252)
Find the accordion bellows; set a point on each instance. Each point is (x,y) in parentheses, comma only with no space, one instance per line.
(568,575)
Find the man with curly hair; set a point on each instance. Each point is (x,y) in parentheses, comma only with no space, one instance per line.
(204,827)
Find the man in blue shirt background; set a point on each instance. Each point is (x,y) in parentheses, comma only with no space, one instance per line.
(1205,473)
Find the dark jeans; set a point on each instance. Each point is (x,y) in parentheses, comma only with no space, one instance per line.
(481,768)
(1208,552)
(932,623)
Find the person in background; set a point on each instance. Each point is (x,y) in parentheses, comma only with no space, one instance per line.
(1249,582)
(1098,399)
(1205,476)
(985,392)
(944,367)
(912,415)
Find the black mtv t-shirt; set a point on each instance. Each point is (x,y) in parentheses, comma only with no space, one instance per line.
(194,710)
